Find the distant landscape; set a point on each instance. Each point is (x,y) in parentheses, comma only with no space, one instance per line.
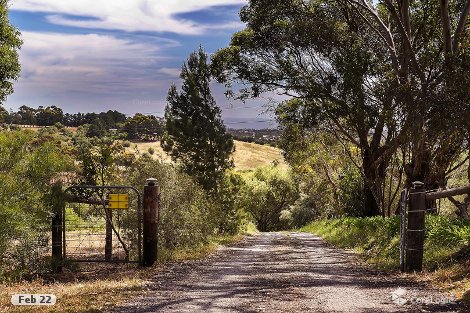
(247,156)
(234,156)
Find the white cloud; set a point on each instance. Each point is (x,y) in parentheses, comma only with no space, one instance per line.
(170,71)
(54,63)
(128,15)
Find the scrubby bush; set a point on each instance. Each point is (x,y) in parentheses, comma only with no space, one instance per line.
(351,195)
(267,192)
(151,150)
(227,202)
(28,163)
(379,238)
(303,211)
(186,217)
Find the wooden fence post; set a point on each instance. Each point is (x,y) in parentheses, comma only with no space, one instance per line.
(150,220)
(58,205)
(415,232)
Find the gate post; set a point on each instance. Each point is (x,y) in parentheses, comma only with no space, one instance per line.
(403,200)
(150,216)
(58,206)
(415,235)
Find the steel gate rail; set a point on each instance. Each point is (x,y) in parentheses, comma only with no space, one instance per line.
(102,224)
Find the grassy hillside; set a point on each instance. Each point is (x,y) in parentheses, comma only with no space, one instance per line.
(247,156)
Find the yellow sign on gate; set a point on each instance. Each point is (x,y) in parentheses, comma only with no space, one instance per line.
(118,201)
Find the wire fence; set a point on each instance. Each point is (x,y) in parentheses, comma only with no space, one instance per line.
(99,228)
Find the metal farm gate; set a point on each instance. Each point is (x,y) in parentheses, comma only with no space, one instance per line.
(102,224)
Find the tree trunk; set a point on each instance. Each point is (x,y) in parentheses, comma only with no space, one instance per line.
(374,177)
(371,207)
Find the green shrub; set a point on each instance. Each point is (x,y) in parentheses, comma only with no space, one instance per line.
(28,163)
(151,150)
(303,211)
(126,144)
(227,201)
(267,192)
(379,238)
(186,217)
(351,197)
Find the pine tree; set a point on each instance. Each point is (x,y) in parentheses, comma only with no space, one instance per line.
(195,134)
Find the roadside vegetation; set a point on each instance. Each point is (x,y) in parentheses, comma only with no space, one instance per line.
(375,101)
(200,204)
(374,104)
(377,239)
(96,289)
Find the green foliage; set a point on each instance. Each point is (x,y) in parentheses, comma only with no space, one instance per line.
(98,158)
(331,182)
(31,161)
(186,218)
(444,229)
(96,129)
(360,81)
(303,211)
(151,150)
(267,192)
(143,127)
(229,215)
(351,186)
(10,43)
(195,134)
(28,163)
(3,115)
(379,238)
(25,116)
(49,116)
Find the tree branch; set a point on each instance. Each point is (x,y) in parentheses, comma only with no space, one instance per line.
(460,27)
(384,31)
(406,39)
(445,20)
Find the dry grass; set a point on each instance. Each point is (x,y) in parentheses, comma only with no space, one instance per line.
(247,156)
(143,147)
(87,292)
(454,279)
(97,287)
(37,128)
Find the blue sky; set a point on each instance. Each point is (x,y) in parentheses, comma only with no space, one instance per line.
(95,55)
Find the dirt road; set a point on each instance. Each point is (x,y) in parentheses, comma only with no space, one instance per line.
(276,272)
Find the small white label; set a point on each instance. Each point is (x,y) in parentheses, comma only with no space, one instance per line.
(32,299)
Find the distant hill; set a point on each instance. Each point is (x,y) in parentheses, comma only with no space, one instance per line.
(247,156)
(259,136)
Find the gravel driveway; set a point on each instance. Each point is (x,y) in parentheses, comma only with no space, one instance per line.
(283,272)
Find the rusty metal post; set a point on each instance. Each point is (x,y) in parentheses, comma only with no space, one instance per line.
(415,232)
(150,220)
(58,206)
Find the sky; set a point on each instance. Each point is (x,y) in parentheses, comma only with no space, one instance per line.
(96,55)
